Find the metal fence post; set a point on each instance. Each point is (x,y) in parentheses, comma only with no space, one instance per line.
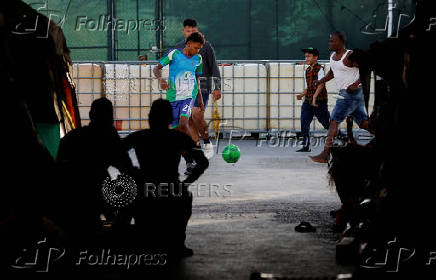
(110,30)
(159,32)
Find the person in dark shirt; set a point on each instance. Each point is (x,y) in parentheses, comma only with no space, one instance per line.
(164,205)
(85,155)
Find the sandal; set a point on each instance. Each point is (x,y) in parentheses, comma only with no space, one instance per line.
(305,227)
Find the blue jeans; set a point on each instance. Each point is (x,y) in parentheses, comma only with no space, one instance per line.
(307,112)
(351,104)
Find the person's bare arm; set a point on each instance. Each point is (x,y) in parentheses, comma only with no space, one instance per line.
(200,96)
(157,71)
(354,86)
(300,96)
(315,96)
(326,78)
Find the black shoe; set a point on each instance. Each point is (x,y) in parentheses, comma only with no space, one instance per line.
(183,252)
(186,252)
(189,167)
(304,149)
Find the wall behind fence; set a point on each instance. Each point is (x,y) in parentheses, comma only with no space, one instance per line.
(257,96)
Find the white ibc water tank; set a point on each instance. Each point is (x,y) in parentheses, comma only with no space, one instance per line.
(243,102)
(88,78)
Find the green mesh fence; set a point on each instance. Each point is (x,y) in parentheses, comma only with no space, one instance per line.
(238,29)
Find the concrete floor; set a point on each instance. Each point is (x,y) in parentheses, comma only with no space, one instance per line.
(251,227)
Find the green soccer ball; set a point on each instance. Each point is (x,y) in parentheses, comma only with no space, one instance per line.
(231,153)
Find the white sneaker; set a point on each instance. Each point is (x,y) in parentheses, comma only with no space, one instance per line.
(209,151)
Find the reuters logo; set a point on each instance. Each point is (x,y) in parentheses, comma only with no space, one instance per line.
(120,192)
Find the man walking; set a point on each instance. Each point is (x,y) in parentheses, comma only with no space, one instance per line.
(350,99)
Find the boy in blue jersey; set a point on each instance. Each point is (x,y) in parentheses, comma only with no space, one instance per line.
(183,84)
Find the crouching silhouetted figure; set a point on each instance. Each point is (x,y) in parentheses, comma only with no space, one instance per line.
(164,203)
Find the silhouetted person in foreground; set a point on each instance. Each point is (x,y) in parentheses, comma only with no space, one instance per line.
(85,155)
(164,203)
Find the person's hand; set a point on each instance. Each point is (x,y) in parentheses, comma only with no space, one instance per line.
(142,57)
(201,105)
(314,103)
(216,94)
(163,84)
(316,83)
(300,96)
(352,88)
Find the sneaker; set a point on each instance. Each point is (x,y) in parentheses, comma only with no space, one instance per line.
(189,167)
(209,151)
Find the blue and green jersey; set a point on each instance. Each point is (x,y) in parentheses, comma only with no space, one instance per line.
(182,79)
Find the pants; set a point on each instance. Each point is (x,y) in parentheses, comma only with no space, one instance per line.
(307,112)
(350,104)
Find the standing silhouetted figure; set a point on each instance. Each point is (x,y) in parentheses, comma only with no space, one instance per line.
(85,155)
(164,205)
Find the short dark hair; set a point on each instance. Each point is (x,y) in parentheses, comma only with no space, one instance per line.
(101,111)
(161,114)
(190,22)
(196,37)
(341,35)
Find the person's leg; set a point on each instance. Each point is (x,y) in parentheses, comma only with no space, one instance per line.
(201,125)
(198,115)
(331,134)
(306,119)
(184,115)
(176,114)
(194,128)
(342,109)
(322,114)
(359,114)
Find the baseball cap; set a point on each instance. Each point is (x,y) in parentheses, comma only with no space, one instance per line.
(311,50)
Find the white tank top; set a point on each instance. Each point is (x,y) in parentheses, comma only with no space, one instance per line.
(344,75)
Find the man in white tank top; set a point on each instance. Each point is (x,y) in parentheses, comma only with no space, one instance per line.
(350,100)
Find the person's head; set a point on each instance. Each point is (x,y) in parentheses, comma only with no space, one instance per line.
(337,41)
(161,114)
(101,113)
(189,26)
(194,43)
(311,55)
